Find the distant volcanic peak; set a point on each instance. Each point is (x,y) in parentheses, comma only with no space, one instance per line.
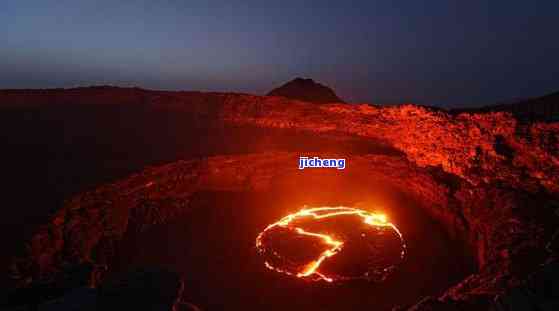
(306,90)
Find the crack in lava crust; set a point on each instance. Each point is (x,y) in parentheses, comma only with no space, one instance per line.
(334,244)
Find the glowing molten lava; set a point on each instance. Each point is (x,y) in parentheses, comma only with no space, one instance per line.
(301,244)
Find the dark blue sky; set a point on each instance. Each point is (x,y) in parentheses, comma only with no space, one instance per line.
(437,52)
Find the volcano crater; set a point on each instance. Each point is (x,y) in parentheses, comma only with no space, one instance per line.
(465,209)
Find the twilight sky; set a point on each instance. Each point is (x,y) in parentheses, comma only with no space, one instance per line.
(435,52)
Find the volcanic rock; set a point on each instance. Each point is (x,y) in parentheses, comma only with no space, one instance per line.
(306,90)
(492,181)
(467,145)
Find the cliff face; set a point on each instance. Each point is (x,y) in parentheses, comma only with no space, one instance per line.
(493,184)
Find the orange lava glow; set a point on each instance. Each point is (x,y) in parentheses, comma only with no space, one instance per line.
(334,245)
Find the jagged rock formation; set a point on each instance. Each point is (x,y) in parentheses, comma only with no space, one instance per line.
(306,90)
(493,183)
(481,148)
